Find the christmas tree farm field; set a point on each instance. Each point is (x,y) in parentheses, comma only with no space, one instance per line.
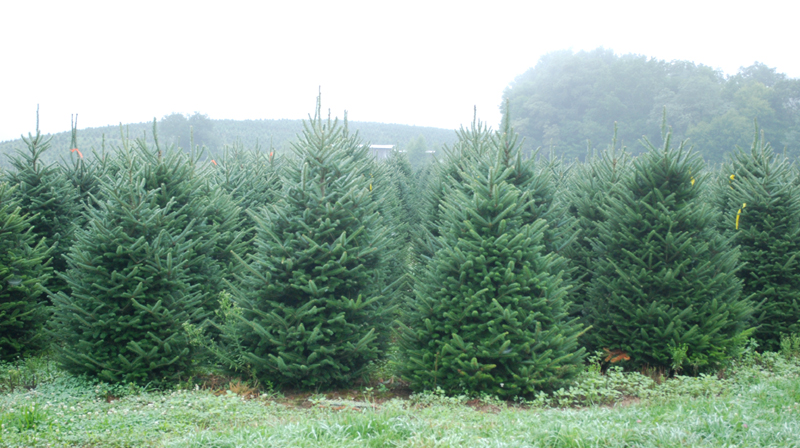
(754,402)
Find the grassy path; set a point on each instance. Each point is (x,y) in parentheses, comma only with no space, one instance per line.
(68,413)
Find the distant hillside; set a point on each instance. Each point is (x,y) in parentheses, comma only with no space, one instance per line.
(216,134)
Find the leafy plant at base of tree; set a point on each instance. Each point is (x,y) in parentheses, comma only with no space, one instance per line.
(665,278)
(489,315)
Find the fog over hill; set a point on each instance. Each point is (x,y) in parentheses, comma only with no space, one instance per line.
(215,135)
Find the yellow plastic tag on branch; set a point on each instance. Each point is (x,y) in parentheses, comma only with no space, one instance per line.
(739,213)
(693,181)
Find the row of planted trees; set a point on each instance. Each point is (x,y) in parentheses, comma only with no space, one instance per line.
(491,271)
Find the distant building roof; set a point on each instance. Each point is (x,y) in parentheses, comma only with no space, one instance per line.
(381,152)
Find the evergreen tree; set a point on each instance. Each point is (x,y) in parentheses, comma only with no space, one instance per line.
(664,291)
(180,178)
(47,196)
(760,202)
(473,142)
(311,316)
(23,272)
(489,315)
(131,289)
(541,178)
(83,173)
(251,177)
(590,184)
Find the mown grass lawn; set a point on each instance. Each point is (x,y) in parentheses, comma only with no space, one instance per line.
(758,405)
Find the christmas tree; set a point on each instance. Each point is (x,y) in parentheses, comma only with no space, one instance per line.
(251,178)
(47,196)
(183,180)
(310,309)
(760,204)
(590,185)
(131,289)
(664,290)
(23,272)
(489,315)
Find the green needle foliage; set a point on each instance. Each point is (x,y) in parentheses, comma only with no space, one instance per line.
(664,288)
(181,179)
(131,290)
(768,235)
(312,315)
(489,315)
(473,142)
(590,184)
(23,272)
(47,196)
(251,178)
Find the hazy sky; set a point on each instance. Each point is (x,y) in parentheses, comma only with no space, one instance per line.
(424,63)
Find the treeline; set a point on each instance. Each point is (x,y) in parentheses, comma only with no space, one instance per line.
(491,271)
(569,101)
(198,130)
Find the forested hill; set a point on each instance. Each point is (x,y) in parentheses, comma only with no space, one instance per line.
(569,101)
(216,134)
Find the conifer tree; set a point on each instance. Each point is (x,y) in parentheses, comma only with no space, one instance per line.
(251,177)
(489,315)
(45,194)
(23,272)
(181,178)
(473,143)
(541,178)
(131,289)
(310,313)
(83,172)
(590,184)
(664,291)
(760,203)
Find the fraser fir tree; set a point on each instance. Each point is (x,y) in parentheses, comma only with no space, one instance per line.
(541,178)
(473,142)
(489,315)
(23,272)
(131,289)
(310,313)
(47,196)
(664,291)
(251,177)
(83,171)
(590,185)
(760,203)
(181,178)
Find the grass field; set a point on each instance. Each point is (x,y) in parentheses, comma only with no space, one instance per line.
(752,403)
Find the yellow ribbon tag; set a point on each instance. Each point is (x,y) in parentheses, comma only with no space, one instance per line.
(739,213)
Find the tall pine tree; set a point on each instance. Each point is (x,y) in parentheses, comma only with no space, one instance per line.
(490,314)
(760,202)
(311,313)
(47,196)
(664,290)
(24,271)
(590,185)
(131,289)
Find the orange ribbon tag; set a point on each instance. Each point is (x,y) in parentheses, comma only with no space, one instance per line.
(76,150)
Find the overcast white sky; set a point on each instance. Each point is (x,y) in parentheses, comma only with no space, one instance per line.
(411,62)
